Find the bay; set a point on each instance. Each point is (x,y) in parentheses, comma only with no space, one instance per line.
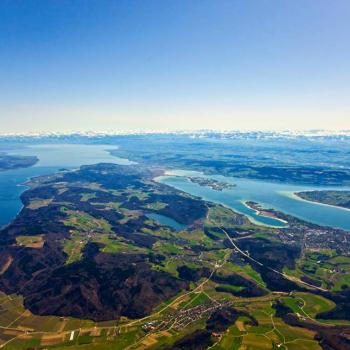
(52,158)
(268,194)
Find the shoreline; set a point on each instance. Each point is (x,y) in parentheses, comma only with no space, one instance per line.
(259,213)
(284,192)
(294,195)
(169,173)
(54,169)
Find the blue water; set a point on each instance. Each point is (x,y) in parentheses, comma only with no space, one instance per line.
(166,221)
(51,159)
(268,194)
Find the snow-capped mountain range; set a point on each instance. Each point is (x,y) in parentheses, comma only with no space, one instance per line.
(191,133)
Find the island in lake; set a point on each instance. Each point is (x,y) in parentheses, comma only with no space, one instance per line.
(213,184)
(9,162)
(337,198)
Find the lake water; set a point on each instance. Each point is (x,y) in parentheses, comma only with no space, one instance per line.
(166,221)
(268,194)
(51,159)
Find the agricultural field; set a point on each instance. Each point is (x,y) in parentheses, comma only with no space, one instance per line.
(97,271)
(325,267)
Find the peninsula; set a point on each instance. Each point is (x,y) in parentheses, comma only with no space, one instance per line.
(336,198)
(9,162)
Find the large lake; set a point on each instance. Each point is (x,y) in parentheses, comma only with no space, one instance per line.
(268,194)
(51,159)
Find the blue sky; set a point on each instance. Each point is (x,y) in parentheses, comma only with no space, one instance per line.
(123,65)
